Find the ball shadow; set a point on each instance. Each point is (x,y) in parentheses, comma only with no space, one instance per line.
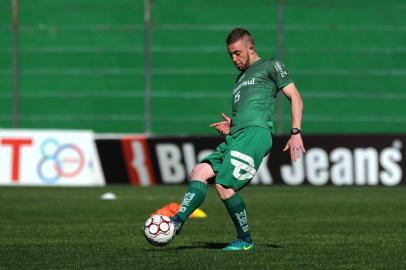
(197,245)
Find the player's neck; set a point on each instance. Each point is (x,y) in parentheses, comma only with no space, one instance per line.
(254,59)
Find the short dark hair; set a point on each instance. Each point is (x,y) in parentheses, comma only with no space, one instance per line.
(237,34)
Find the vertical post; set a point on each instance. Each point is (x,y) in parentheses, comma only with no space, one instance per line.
(148,66)
(16,67)
(280,53)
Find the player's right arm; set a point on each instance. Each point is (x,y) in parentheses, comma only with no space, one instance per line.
(223,127)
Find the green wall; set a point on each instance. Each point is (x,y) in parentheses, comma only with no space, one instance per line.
(82,63)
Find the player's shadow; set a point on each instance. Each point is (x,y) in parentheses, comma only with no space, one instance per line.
(203,245)
(215,245)
(208,245)
(211,245)
(273,246)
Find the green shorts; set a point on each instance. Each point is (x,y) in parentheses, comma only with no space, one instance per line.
(236,160)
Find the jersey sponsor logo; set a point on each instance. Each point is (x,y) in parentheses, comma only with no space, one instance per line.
(244,83)
(236,91)
(240,79)
(281,69)
(248,166)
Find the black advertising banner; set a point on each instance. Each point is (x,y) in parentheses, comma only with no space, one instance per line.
(174,157)
(112,159)
(342,160)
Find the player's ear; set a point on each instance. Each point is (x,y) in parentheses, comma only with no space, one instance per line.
(251,48)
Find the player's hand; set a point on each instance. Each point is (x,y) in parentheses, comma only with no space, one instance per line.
(223,127)
(295,144)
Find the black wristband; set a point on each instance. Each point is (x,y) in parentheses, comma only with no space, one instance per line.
(294,131)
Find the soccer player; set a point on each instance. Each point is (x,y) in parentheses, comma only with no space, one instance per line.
(248,135)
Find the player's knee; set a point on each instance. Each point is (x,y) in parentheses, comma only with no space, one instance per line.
(224,193)
(202,172)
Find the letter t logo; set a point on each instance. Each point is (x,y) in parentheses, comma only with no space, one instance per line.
(15,145)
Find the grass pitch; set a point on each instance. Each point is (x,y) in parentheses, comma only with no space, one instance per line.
(293,227)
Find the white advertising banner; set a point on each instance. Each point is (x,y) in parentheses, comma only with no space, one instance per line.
(49,158)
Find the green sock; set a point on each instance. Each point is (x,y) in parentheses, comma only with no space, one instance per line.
(238,213)
(194,197)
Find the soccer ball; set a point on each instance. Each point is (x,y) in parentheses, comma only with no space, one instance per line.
(159,230)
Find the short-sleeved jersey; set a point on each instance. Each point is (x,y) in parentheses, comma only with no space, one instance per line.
(254,94)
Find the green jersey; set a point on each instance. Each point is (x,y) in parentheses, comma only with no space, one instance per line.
(254,94)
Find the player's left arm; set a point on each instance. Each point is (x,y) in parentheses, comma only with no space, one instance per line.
(295,143)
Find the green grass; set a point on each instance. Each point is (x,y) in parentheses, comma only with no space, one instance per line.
(294,228)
